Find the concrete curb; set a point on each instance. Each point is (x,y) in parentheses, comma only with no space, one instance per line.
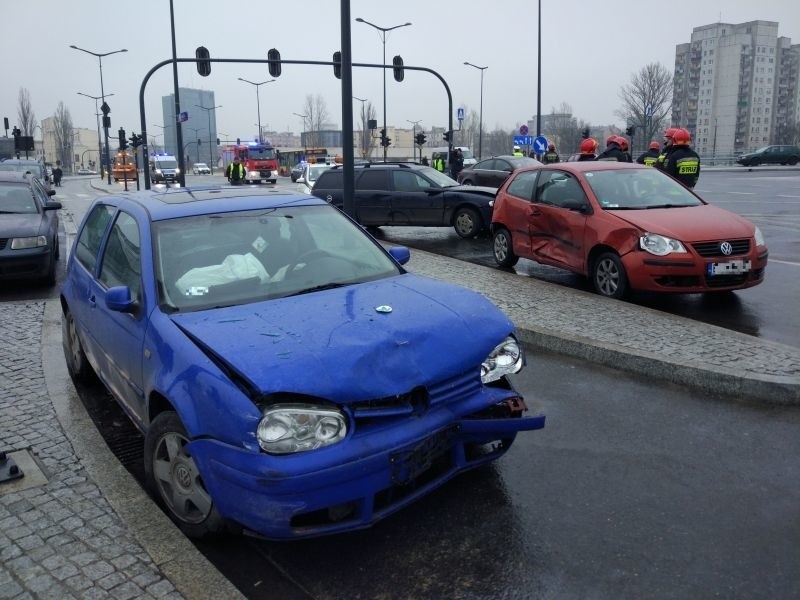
(720,382)
(188,570)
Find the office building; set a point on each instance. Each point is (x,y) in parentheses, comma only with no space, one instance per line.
(201,125)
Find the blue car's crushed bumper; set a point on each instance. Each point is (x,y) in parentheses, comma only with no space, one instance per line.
(359,481)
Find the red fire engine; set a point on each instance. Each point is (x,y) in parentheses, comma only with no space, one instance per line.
(260,160)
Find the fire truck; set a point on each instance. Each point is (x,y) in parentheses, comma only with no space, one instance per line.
(260,160)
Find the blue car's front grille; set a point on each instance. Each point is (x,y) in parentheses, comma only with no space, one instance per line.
(420,399)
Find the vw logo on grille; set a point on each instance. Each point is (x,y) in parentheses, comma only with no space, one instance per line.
(383,309)
(726,248)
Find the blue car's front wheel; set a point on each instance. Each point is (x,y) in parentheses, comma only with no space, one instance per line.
(173,477)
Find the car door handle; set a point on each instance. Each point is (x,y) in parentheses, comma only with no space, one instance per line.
(534,212)
(92,301)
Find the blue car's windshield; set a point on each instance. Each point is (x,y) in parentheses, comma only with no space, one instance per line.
(226,259)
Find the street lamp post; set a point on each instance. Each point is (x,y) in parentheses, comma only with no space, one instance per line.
(258,100)
(414,139)
(304,117)
(364,117)
(383,31)
(208,110)
(480,118)
(97,115)
(100,56)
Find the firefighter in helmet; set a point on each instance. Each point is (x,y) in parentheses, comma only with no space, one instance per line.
(683,163)
(649,158)
(612,151)
(587,149)
(623,145)
(666,149)
(551,156)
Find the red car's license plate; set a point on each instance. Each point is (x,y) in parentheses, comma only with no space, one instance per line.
(730,267)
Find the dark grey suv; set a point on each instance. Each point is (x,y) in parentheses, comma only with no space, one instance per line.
(784,155)
(410,194)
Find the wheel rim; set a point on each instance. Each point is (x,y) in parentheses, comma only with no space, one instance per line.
(178,479)
(500,247)
(607,277)
(465,223)
(74,342)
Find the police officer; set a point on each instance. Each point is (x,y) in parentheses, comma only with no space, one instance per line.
(551,156)
(665,151)
(235,172)
(649,158)
(517,151)
(612,151)
(683,163)
(587,149)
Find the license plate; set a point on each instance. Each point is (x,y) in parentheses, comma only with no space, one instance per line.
(730,267)
(408,464)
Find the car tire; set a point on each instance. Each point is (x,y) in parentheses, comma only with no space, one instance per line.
(57,247)
(793,161)
(77,364)
(609,277)
(503,249)
(467,182)
(173,478)
(466,222)
(294,178)
(754,163)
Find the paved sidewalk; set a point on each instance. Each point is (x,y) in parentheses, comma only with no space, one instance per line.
(83,528)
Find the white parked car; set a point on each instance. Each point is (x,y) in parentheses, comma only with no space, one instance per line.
(85,171)
(201,169)
(309,176)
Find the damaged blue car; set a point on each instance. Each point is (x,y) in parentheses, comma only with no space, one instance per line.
(291,378)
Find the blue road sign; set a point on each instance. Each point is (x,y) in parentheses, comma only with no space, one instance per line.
(540,145)
(460,114)
(523,140)
(184,116)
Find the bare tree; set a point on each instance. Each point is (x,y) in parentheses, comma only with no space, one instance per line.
(498,141)
(563,129)
(366,143)
(650,90)
(25,114)
(316,111)
(63,136)
(788,133)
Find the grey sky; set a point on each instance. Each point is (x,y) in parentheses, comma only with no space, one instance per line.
(589,50)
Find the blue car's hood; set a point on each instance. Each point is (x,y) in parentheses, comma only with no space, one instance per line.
(334,344)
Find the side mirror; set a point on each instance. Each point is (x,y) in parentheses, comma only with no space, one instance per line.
(52,205)
(118,299)
(51,192)
(400,253)
(300,180)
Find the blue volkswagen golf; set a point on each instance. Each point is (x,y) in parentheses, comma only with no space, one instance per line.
(291,378)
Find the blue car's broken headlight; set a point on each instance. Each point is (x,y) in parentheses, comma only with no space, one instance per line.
(506,358)
(288,428)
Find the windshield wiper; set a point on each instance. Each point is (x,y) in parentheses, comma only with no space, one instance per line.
(623,207)
(319,288)
(668,206)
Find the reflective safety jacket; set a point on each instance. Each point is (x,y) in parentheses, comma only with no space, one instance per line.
(648,158)
(438,164)
(551,156)
(233,173)
(683,164)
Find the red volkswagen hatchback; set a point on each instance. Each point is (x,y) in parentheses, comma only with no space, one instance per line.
(627,227)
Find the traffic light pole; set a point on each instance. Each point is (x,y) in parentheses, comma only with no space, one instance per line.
(149,74)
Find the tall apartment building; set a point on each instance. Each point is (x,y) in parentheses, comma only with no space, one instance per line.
(736,87)
(201,124)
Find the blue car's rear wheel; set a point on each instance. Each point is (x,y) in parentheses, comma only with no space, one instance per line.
(173,477)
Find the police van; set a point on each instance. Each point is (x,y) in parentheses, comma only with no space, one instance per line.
(164,168)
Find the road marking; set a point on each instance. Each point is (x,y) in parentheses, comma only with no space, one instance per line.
(784,262)
(743,193)
(786,196)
